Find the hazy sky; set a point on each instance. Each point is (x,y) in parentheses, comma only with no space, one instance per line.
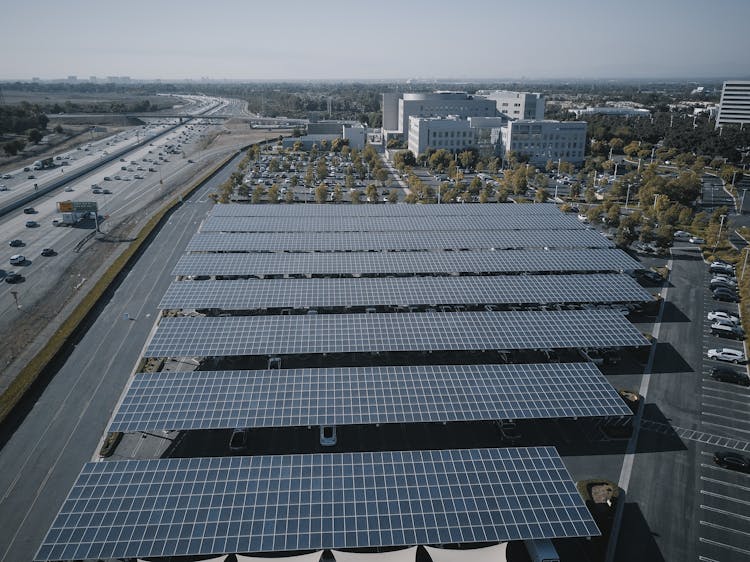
(301,39)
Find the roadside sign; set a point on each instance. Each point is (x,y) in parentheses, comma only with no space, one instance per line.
(77,206)
(65,206)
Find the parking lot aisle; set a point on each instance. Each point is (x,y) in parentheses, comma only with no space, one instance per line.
(724,511)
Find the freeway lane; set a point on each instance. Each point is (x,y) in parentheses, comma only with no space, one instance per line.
(40,461)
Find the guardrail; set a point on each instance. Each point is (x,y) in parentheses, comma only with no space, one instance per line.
(74,175)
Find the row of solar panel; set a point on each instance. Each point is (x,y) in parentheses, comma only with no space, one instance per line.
(374,224)
(378,241)
(401,210)
(403,291)
(396,263)
(183,507)
(364,395)
(383,332)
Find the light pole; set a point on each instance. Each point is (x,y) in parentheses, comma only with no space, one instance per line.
(627,196)
(718,236)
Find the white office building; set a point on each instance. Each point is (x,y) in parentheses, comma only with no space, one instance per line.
(615,111)
(516,105)
(546,140)
(450,133)
(735,103)
(398,108)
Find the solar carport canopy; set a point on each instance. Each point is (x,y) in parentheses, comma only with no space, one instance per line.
(381,332)
(405,291)
(375,241)
(364,395)
(545,221)
(397,210)
(381,263)
(203,506)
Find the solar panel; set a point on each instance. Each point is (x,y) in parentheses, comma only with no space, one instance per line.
(352,263)
(391,210)
(202,506)
(354,333)
(364,395)
(403,291)
(419,240)
(374,224)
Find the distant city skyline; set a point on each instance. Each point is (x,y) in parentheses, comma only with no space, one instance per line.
(387,40)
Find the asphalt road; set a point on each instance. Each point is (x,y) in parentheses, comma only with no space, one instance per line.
(665,514)
(41,459)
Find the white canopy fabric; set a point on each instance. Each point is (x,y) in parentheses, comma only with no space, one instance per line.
(219,559)
(404,555)
(494,553)
(312,557)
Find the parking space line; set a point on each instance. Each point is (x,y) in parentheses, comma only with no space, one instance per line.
(726,400)
(723,497)
(723,528)
(729,418)
(722,388)
(726,426)
(723,483)
(714,467)
(721,544)
(725,512)
(706,559)
(725,408)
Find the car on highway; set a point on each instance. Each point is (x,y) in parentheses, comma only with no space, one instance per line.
(727,375)
(47,252)
(13,277)
(732,461)
(96,190)
(106,192)
(722,316)
(31,224)
(17,259)
(726,354)
(29,211)
(31,177)
(16,243)
(107,178)
(69,189)
(6,176)
(696,240)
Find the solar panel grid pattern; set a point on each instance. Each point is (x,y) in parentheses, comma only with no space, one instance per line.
(311,293)
(352,333)
(400,263)
(418,240)
(364,395)
(169,507)
(391,210)
(374,224)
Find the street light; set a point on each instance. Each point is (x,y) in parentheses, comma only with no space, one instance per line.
(718,236)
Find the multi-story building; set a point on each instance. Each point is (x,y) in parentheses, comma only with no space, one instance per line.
(516,105)
(735,103)
(546,140)
(614,110)
(455,134)
(398,108)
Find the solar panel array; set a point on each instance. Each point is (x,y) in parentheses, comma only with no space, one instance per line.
(405,291)
(352,263)
(400,210)
(367,333)
(419,240)
(178,507)
(374,224)
(365,395)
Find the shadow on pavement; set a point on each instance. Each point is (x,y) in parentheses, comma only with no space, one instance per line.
(636,541)
(673,314)
(668,360)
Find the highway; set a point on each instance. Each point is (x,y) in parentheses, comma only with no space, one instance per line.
(42,457)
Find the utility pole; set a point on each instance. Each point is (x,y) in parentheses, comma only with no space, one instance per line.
(627,196)
(718,236)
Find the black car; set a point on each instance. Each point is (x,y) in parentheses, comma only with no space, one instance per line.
(732,461)
(16,243)
(726,295)
(728,375)
(29,211)
(47,252)
(13,277)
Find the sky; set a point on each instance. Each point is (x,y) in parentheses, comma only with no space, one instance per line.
(386,39)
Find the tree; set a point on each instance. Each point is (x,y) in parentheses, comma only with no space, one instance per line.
(575,190)
(467,159)
(371,192)
(338,194)
(322,169)
(258,193)
(403,159)
(542,195)
(484,196)
(273,194)
(355,196)
(14,147)
(59,129)
(589,195)
(321,192)
(297,146)
(393,196)
(273,165)
(35,136)
(550,166)
(381,174)
(289,197)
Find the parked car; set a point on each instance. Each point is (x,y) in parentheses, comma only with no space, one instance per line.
(696,240)
(732,461)
(727,375)
(47,252)
(17,259)
(727,330)
(725,295)
(13,277)
(719,283)
(682,235)
(726,354)
(722,316)
(721,267)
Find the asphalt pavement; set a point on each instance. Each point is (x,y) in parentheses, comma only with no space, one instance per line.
(41,458)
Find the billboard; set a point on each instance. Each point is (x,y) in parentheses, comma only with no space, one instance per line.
(76,206)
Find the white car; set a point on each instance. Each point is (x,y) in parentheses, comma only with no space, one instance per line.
(17,259)
(722,316)
(696,240)
(726,354)
(583,218)
(682,235)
